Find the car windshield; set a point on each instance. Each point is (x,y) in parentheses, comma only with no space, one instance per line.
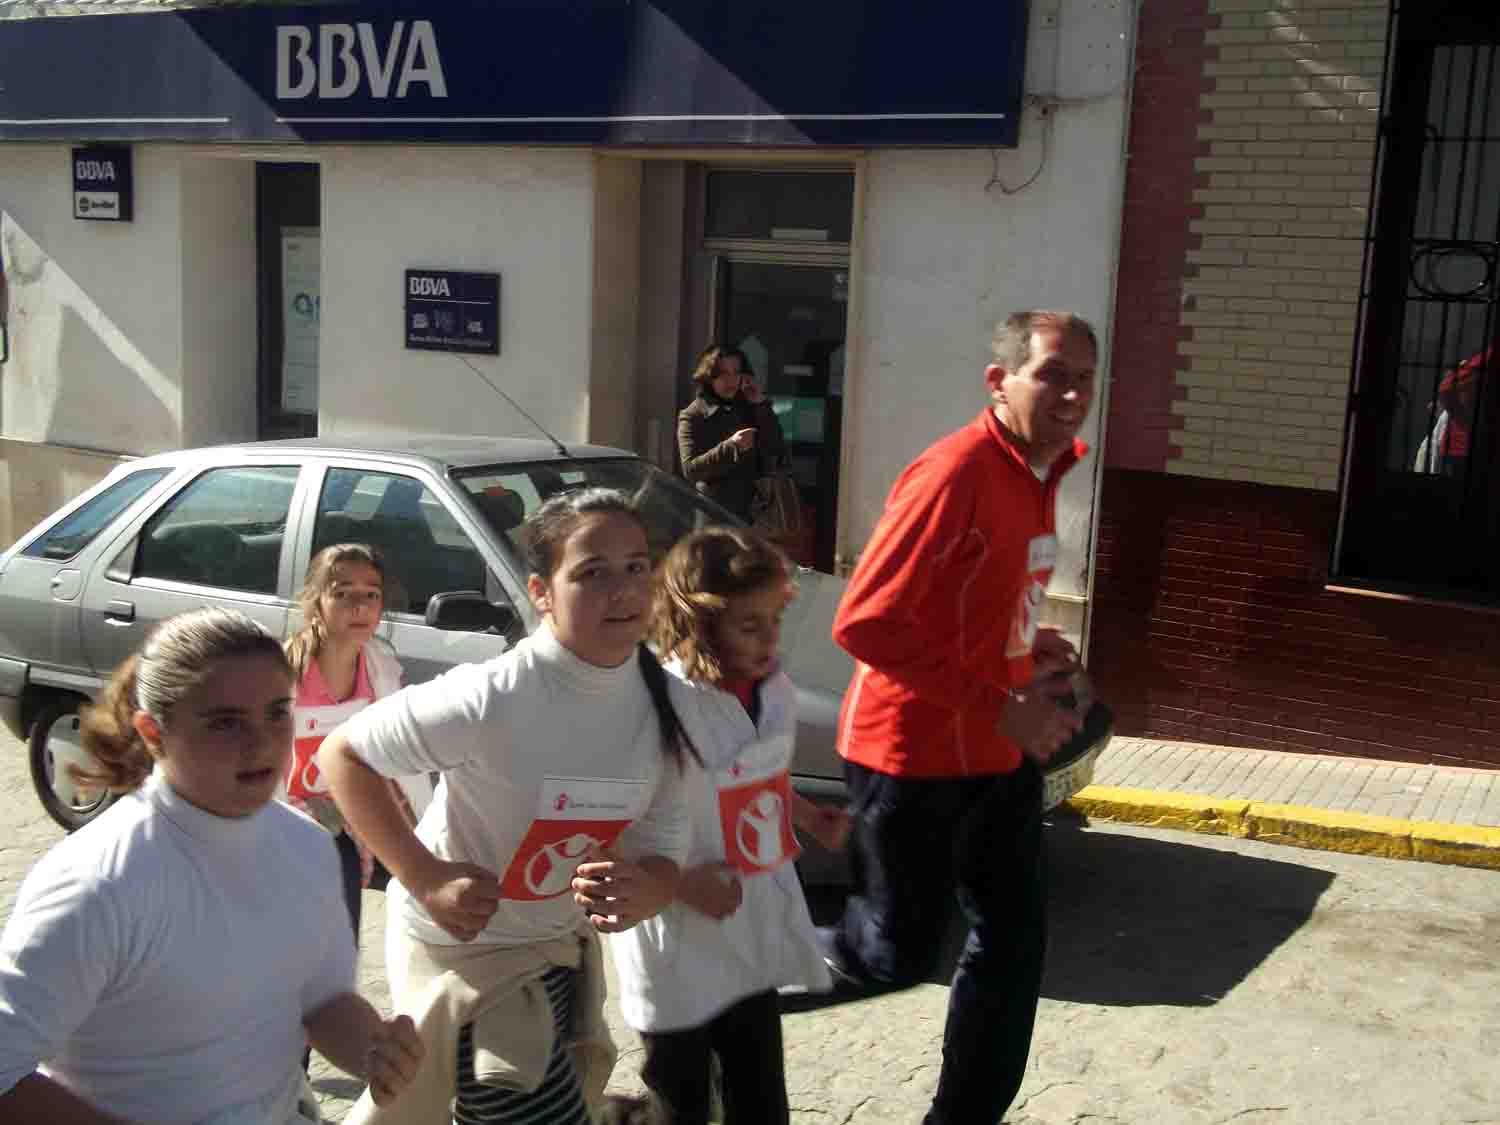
(506,494)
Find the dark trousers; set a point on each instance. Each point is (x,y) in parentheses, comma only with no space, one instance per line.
(917,844)
(747,1039)
(353,877)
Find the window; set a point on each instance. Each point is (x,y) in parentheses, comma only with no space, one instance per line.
(77,531)
(784,206)
(1422,501)
(426,551)
(225,529)
(507,495)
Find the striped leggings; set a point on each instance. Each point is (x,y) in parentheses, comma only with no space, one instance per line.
(557,1101)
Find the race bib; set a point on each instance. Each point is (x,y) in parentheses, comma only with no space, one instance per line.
(574,815)
(304,780)
(1041,558)
(755,807)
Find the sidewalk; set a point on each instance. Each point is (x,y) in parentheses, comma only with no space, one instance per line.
(1440,814)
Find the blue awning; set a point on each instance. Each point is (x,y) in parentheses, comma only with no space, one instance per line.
(599,72)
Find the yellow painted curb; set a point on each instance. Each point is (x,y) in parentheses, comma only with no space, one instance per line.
(1320,829)
(1186,811)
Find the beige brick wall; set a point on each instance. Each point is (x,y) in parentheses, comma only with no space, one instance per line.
(1289,131)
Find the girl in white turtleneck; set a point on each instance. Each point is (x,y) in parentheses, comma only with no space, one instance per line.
(559,816)
(168,962)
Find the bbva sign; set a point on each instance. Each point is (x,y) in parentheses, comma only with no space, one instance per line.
(408,56)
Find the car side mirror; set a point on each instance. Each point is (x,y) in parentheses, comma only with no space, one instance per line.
(469,611)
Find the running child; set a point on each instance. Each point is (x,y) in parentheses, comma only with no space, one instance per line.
(702,977)
(341,668)
(559,815)
(167,963)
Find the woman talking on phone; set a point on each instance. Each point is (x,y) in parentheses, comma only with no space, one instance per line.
(728,435)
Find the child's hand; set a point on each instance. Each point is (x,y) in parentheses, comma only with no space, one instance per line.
(461,897)
(830,826)
(713,889)
(617,894)
(392,1058)
(827,824)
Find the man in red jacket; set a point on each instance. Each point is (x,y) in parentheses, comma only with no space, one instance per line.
(946,724)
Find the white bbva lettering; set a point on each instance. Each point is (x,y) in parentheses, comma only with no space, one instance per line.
(428,287)
(338,71)
(294,44)
(93,170)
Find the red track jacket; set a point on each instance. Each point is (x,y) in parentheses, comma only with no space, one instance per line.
(943,606)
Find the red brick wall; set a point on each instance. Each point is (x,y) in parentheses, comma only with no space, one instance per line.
(1155,240)
(1210,624)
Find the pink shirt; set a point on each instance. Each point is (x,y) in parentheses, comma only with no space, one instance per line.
(315,714)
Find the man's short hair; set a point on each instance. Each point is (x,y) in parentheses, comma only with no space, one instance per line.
(1011,343)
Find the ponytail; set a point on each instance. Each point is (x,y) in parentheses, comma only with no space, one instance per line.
(676,743)
(122,760)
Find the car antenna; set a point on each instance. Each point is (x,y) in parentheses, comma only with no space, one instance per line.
(557,445)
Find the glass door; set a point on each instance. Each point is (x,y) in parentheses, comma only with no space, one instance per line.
(790,320)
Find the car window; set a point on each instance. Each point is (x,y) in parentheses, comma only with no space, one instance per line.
(225,529)
(425,549)
(507,495)
(79,529)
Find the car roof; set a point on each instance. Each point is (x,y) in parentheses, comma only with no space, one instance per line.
(441,452)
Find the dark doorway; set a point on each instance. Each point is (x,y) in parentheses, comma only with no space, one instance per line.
(790,321)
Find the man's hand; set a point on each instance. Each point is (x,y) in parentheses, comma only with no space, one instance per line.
(461,897)
(1052,653)
(743,439)
(1035,722)
(617,894)
(392,1058)
(751,390)
(713,889)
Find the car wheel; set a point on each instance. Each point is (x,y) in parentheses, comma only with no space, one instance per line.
(55,743)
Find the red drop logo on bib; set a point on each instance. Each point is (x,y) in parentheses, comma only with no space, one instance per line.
(755,807)
(574,816)
(304,779)
(1041,558)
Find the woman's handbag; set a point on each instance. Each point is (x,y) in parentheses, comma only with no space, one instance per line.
(776,505)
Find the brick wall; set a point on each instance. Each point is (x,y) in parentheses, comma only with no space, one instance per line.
(1210,623)
(1283,139)
(1171,54)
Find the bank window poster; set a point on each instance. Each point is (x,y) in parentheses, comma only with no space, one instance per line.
(300,305)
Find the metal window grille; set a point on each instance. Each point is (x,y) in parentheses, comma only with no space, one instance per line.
(1422,479)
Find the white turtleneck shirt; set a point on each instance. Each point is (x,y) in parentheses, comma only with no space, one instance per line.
(160,961)
(542,755)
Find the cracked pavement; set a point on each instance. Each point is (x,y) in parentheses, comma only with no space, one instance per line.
(1191,979)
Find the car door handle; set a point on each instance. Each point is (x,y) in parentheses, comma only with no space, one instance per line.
(119,613)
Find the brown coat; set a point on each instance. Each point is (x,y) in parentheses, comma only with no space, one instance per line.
(712,463)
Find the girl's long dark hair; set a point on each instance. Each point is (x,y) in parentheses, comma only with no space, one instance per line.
(674,736)
(542,538)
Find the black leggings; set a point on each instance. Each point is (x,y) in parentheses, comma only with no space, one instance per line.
(747,1039)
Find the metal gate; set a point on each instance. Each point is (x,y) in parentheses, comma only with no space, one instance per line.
(1420,502)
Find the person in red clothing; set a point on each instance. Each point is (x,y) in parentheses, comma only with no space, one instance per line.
(947,721)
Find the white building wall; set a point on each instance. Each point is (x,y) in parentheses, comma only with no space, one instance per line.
(616,301)
(945,250)
(95,308)
(524,213)
(219,338)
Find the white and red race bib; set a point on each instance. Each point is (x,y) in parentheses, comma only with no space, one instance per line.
(574,816)
(1041,558)
(755,807)
(304,779)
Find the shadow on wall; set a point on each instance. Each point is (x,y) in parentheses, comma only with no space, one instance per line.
(98,395)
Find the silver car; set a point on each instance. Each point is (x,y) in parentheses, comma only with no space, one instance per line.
(236,526)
